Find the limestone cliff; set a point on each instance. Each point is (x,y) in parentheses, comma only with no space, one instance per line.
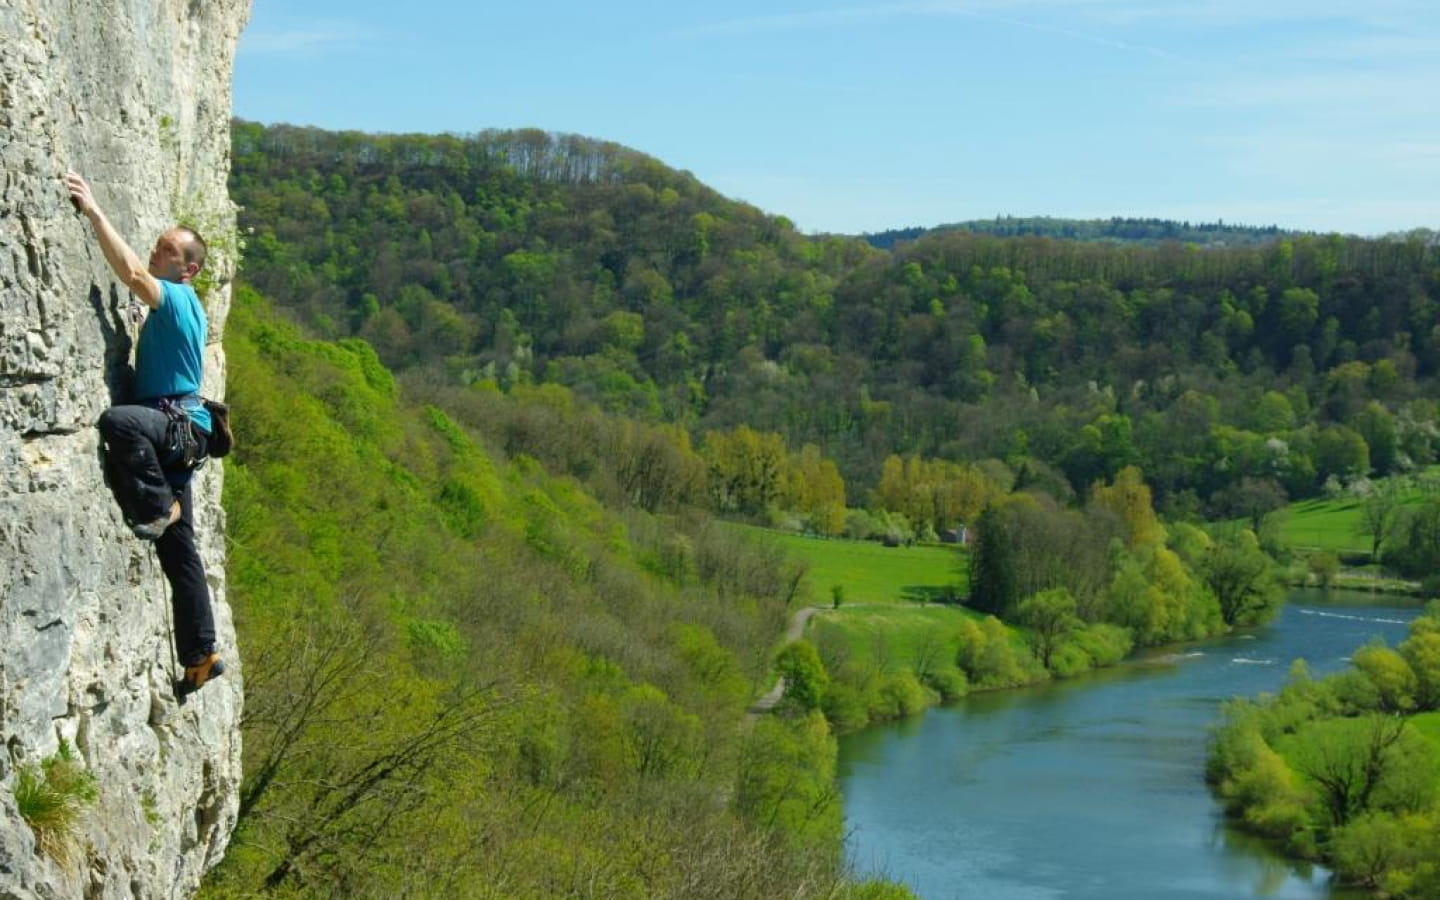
(135,95)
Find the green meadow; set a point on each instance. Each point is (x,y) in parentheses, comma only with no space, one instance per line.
(1334,525)
(871,573)
(889,607)
(887,611)
(1338,524)
(896,636)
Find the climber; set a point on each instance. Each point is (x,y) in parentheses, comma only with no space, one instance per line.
(150,447)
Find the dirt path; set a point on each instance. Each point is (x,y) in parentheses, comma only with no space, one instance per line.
(767,701)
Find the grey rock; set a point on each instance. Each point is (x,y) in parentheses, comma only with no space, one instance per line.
(135,95)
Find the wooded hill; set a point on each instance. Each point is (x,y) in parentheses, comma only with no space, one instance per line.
(495,643)
(1232,376)
(467,678)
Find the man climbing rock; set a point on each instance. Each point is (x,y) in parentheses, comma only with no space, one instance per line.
(152,445)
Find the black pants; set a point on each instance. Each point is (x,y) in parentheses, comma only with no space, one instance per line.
(135,445)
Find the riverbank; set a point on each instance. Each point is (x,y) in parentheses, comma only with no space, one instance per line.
(870,649)
(1345,769)
(1090,788)
(889,650)
(889,661)
(1368,579)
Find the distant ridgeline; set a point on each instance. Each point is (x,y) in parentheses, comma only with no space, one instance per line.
(1116,229)
(527,152)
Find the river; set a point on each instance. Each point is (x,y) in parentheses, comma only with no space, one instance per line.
(1091,789)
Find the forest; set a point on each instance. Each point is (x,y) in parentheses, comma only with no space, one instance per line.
(499,394)
(466,677)
(1230,375)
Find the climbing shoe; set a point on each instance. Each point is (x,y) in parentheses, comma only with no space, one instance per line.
(196,675)
(151,531)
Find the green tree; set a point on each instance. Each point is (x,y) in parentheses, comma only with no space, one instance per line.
(1129,498)
(622,331)
(1242,578)
(1348,761)
(1376,425)
(814,487)
(990,656)
(1415,551)
(1252,499)
(1341,452)
(746,469)
(1380,509)
(1255,781)
(1422,651)
(994,583)
(661,740)
(1325,565)
(805,677)
(786,779)
(1387,853)
(1391,674)
(1050,616)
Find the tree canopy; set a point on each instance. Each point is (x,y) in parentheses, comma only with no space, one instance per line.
(527,258)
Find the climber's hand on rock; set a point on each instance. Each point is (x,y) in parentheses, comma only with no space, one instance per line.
(80,196)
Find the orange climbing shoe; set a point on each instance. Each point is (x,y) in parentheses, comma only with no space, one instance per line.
(196,675)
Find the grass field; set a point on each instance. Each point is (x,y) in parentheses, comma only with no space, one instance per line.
(1428,724)
(886,614)
(871,573)
(1337,525)
(898,635)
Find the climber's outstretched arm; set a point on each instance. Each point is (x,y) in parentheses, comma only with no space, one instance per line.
(127,266)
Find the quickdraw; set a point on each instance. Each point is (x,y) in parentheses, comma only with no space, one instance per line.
(183,447)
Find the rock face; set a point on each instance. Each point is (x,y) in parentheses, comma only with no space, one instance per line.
(134,95)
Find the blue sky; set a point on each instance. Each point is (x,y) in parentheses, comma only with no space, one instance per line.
(850,117)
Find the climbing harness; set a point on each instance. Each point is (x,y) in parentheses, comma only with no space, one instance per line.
(183,448)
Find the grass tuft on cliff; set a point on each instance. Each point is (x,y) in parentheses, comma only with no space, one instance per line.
(52,798)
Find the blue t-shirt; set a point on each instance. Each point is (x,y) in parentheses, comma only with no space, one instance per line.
(170,359)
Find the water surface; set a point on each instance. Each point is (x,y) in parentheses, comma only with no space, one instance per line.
(1092,788)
